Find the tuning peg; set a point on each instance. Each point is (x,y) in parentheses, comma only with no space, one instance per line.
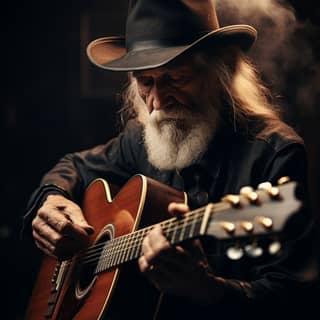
(253,250)
(265,222)
(234,253)
(264,186)
(250,194)
(229,227)
(233,199)
(247,226)
(274,248)
(283,180)
(245,190)
(274,192)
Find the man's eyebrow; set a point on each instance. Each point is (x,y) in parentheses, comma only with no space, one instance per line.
(137,73)
(168,68)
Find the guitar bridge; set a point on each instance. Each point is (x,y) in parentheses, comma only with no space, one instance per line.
(56,285)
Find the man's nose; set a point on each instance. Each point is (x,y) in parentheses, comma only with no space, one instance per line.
(160,96)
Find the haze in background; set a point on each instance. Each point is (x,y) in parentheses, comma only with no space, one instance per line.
(284,52)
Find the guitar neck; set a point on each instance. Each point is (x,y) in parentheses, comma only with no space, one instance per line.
(238,221)
(126,248)
(224,220)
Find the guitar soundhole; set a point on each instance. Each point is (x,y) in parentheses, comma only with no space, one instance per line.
(87,269)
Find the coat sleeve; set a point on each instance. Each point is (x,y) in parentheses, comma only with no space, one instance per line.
(114,161)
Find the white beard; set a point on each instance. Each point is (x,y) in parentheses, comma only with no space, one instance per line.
(178,137)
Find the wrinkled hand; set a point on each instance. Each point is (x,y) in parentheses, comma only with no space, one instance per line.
(59,228)
(179,270)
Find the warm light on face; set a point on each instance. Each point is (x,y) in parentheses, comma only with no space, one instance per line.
(174,85)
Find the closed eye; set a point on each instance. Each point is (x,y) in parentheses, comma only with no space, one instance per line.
(178,79)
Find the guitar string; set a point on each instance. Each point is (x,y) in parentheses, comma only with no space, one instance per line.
(118,249)
(112,242)
(140,234)
(217,207)
(128,237)
(122,246)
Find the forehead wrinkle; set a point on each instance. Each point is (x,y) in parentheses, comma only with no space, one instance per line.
(151,72)
(183,64)
(183,69)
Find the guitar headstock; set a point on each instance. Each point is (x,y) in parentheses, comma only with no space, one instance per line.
(252,216)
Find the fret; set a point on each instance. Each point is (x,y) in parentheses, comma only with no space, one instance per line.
(116,251)
(101,262)
(107,256)
(128,248)
(124,249)
(101,265)
(192,227)
(133,245)
(174,232)
(112,253)
(182,228)
(177,232)
(119,250)
(187,226)
(197,225)
(135,251)
(169,230)
(132,248)
(142,233)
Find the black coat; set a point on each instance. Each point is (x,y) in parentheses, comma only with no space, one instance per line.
(233,160)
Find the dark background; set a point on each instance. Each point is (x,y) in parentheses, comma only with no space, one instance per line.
(53,102)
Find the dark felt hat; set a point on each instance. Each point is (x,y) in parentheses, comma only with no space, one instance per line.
(158,31)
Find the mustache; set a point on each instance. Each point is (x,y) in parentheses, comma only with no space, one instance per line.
(172,112)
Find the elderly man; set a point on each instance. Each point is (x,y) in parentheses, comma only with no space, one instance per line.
(200,121)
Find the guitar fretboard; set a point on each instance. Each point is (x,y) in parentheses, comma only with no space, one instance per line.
(115,252)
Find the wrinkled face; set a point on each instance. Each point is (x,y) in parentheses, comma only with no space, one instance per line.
(181,117)
(176,87)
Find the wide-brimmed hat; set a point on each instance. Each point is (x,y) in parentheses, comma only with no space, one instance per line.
(158,31)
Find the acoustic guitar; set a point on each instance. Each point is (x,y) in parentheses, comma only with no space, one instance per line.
(103,281)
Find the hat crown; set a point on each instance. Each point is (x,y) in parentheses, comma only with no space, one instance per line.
(159,31)
(172,22)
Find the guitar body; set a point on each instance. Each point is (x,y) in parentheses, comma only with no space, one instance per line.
(118,293)
(104,282)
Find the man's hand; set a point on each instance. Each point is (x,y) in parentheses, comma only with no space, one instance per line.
(179,270)
(59,228)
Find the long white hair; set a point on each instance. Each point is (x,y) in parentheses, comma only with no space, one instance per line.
(247,102)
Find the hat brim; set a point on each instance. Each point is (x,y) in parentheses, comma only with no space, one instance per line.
(109,52)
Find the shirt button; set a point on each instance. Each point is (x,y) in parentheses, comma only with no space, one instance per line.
(202,198)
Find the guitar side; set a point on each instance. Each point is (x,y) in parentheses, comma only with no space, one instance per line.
(141,202)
